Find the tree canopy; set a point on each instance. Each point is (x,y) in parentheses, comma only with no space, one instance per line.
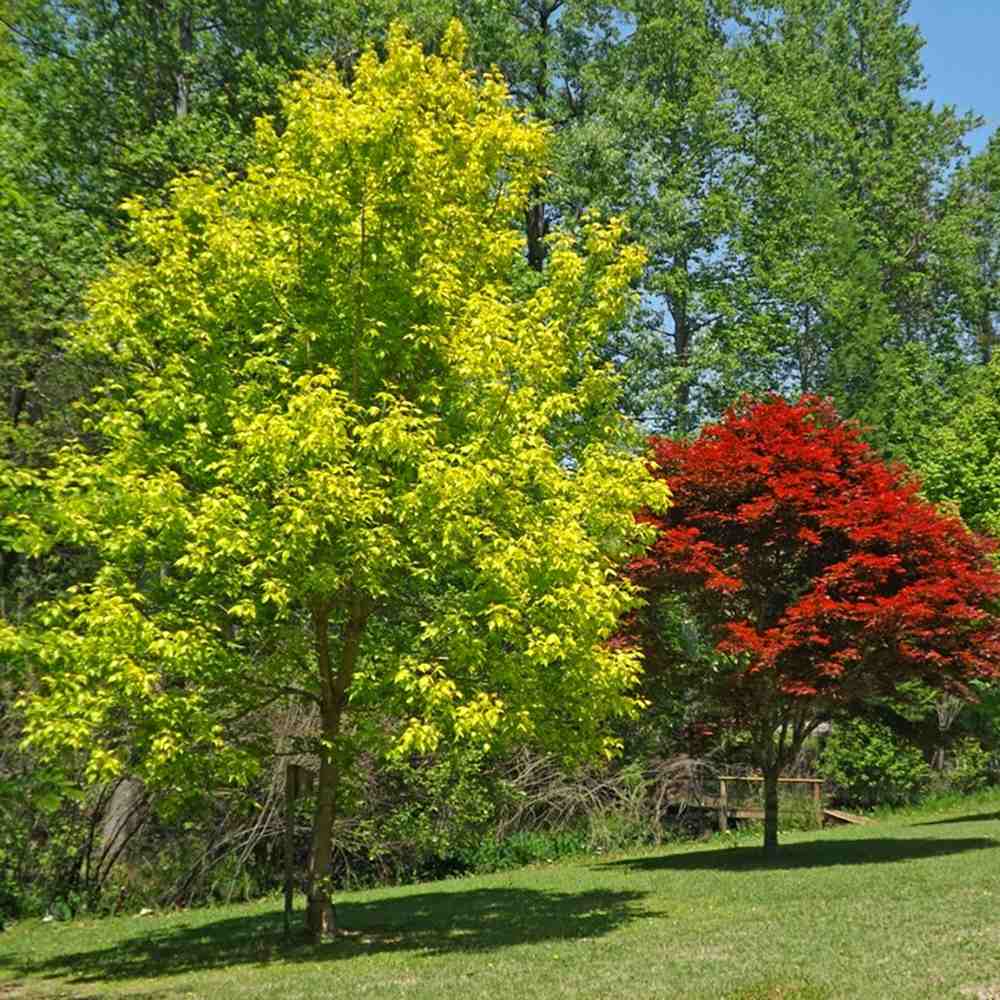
(815,570)
(351,451)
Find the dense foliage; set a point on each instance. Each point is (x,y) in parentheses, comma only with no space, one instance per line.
(869,765)
(349,453)
(795,217)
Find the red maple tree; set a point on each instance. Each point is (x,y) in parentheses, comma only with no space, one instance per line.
(815,570)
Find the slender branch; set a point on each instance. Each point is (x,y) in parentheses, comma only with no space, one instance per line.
(36,45)
(278,693)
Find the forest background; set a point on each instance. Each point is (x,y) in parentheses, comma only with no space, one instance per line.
(811,225)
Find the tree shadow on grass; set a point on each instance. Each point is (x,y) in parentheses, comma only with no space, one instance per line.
(971,818)
(814,854)
(427,923)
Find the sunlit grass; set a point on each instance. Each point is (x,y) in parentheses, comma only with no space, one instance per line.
(909,907)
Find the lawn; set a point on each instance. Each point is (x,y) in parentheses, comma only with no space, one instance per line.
(909,907)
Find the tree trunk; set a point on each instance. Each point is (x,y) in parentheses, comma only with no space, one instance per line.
(334,684)
(320,914)
(948,709)
(682,355)
(771,775)
(778,743)
(537,231)
(288,838)
(18,401)
(537,225)
(182,81)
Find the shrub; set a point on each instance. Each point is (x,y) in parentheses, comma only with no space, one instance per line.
(870,765)
(969,766)
(524,847)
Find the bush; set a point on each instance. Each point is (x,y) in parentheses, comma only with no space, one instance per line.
(610,830)
(969,766)
(871,766)
(525,847)
(42,843)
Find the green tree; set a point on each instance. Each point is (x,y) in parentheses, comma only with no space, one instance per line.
(855,246)
(958,456)
(662,144)
(975,192)
(99,102)
(353,451)
(554,55)
(102,101)
(794,194)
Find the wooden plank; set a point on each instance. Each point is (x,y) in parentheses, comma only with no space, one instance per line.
(784,781)
(846,817)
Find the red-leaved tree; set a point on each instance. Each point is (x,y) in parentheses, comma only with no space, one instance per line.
(816,571)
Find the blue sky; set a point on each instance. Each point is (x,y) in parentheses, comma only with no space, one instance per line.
(962,56)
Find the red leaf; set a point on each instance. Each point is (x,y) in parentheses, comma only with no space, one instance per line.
(813,563)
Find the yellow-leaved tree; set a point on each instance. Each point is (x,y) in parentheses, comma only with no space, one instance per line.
(354,451)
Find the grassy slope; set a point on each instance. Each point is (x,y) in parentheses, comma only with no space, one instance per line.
(908,908)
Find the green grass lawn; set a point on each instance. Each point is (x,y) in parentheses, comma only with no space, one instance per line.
(906,908)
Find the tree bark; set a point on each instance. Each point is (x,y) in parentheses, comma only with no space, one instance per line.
(320,914)
(771,775)
(185,45)
(334,684)
(18,401)
(678,306)
(537,231)
(288,837)
(777,746)
(536,223)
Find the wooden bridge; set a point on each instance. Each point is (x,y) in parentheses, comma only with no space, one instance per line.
(725,812)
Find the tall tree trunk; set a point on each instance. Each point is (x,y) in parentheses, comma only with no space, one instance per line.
(335,680)
(537,231)
(771,775)
(986,335)
(185,46)
(320,914)
(678,306)
(536,223)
